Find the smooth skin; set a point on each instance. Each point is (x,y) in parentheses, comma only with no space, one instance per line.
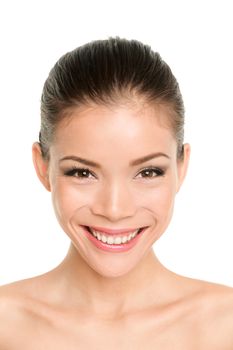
(102,300)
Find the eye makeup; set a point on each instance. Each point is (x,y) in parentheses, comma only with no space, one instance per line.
(84,173)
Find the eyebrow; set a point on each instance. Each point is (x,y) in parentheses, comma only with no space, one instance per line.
(132,163)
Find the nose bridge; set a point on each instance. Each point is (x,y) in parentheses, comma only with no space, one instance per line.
(114,201)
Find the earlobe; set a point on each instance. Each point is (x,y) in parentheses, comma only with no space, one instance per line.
(183,165)
(41,166)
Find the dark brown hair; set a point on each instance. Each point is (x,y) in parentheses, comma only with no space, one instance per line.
(102,72)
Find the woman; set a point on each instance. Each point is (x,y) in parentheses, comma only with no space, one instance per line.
(111,153)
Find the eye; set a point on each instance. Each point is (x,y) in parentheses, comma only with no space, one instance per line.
(149,171)
(82,173)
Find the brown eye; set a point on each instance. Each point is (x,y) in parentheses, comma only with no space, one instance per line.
(152,172)
(78,172)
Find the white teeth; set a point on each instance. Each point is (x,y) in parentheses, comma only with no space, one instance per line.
(124,239)
(113,239)
(110,240)
(104,239)
(117,240)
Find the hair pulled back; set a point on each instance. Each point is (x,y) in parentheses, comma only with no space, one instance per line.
(101,71)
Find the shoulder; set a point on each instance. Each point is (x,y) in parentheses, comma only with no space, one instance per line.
(216,298)
(207,313)
(25,296)
(215,314)
(11,315)
(19,312)
(13,304)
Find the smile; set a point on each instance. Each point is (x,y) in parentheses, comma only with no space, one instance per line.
(113,239)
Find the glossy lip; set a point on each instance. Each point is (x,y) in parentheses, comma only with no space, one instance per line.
(111,231)
(113,248)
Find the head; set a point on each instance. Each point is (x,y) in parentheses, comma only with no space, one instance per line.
(112,102)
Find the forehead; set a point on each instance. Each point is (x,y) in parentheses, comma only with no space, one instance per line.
(133,128)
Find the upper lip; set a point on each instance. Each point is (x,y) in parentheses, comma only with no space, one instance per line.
(113,232)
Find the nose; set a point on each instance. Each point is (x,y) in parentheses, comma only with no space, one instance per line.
(114,202)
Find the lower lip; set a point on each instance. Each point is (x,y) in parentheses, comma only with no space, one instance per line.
(116,248)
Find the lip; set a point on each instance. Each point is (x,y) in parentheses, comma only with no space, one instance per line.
(111,231)
(113,248)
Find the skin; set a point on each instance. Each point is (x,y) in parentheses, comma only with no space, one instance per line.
(99,300)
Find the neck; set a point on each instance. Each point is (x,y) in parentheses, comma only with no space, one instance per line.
(136,290)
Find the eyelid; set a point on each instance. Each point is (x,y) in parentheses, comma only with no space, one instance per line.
(152,167)
(161,171)
(75,168)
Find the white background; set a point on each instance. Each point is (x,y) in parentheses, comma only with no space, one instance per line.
(195,39)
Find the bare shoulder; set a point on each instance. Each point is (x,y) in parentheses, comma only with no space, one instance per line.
(215,314)
(10,295)
(23,296)
(20,311)
(221,302)
(11,314)
(217,299)
(13,311)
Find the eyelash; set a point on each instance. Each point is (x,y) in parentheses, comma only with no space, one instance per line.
(71,172)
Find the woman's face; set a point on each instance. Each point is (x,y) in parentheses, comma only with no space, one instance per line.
(120,192)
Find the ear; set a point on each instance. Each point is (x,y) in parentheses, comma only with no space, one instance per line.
(183,165)
(41,166)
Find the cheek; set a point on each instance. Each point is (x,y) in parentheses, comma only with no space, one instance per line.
(66,201)
(160,202)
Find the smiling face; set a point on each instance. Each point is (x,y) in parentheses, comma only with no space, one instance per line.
(119,191)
